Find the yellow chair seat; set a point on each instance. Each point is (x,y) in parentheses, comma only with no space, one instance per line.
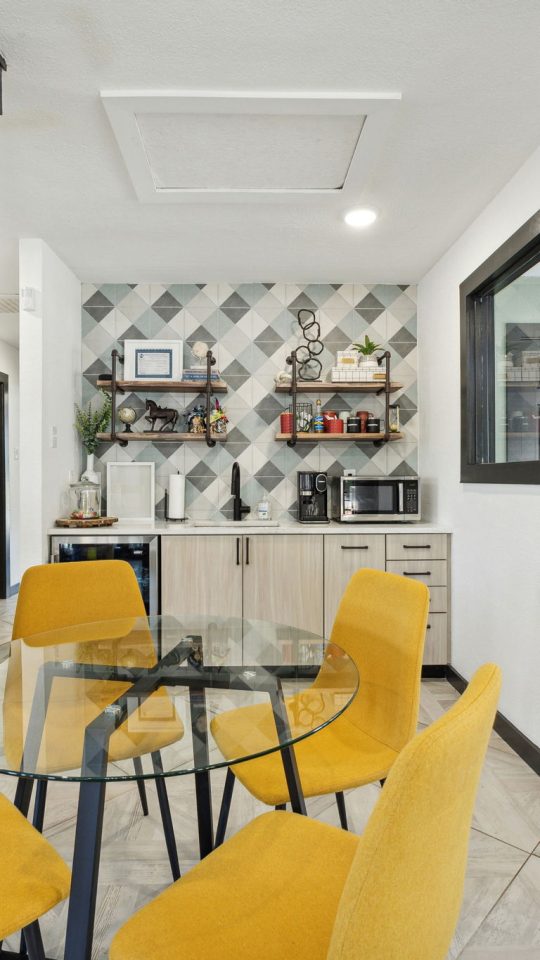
(270,893)
(338,757)
(33,877)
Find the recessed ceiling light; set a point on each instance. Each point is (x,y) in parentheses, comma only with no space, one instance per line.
(361,217)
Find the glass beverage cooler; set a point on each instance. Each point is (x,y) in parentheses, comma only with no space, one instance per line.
(140,552)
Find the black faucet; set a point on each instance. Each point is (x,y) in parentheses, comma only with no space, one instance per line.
(238,507)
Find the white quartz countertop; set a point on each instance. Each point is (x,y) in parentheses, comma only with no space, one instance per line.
(191,527)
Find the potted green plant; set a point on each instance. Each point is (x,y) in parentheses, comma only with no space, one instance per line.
(368,363)
(88,424)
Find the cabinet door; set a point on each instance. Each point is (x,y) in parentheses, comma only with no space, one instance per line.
(201,574)
(283,579)
(342,557)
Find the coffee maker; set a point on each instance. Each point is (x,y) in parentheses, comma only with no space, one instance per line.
(312,497)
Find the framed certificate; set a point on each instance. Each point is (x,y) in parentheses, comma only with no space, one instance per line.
(153,360)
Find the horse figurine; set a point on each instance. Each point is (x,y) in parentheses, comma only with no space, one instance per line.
(167,414)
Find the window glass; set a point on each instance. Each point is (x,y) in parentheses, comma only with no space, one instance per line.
(516,318)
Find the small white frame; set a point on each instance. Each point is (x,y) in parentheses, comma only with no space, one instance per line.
(135,351)
(131,491)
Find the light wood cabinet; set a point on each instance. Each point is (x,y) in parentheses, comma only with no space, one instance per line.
(298,579)
(342,557)
(283,580)
(277,578)
(436,646)
(201,574)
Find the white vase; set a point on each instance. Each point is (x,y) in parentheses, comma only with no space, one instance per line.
(89,474)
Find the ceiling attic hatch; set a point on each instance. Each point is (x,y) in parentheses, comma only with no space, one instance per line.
(186,146)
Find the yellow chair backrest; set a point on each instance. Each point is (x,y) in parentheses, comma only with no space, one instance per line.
(381,623)
(57,596)
(64,594)
(403,894)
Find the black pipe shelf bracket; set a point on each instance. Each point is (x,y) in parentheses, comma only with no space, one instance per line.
(3,68)
(293,363)
(118,386)
(210,361)
(385,388)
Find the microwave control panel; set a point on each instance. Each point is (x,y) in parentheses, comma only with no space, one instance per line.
(410,496)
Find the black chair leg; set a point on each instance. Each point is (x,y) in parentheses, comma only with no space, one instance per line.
(340,799)
(166,819)
(281,806)
(141,786)
(225,807)
(34,943)
(39,804)
(382,782)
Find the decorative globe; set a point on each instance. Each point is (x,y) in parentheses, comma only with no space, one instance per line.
(127,415)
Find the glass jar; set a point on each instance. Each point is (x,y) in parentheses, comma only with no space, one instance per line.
(393,420)
(85,500)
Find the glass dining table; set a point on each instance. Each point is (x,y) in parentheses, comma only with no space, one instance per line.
(134,699)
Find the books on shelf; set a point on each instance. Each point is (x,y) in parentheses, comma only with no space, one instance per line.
(196,374)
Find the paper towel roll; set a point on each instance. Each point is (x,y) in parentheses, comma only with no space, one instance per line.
(177,495)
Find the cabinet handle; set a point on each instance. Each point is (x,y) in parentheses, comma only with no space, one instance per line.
(247,551)
(238,551)
(416,546)
(418,573)
(428,626)
(354,548)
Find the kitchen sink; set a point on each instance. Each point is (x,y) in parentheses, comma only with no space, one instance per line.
(233,523)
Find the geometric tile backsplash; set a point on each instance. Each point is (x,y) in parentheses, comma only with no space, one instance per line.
(252,328)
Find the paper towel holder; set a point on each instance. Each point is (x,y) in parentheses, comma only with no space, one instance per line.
(167,517)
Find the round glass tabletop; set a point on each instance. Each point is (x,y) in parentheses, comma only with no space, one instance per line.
(164,696)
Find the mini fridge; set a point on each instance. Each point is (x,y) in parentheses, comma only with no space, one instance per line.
(139,551)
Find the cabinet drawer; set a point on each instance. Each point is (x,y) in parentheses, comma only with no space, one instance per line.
(438,599)
(405,546)
(436,646)
(432,572)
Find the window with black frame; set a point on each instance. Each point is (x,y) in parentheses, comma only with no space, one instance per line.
(500,364)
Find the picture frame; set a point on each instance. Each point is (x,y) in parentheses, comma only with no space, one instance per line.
(153,360)
(131,490)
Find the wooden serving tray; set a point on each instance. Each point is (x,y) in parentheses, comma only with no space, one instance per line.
(86,522)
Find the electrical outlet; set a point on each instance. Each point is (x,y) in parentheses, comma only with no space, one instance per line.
(53,437)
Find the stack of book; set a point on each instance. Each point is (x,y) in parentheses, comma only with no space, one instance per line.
(196,374)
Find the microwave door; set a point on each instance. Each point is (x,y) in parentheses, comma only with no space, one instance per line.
(373,499)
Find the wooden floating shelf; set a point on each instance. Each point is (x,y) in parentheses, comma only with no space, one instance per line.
(351,437)
(323,386)
(163,386)
(163,437)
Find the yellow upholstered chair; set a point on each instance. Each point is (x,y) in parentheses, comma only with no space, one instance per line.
(290,888)
(381,624)
(57,596)
(33,878)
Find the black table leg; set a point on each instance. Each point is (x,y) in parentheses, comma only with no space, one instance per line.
(203,789)
(288,757)
(82,898)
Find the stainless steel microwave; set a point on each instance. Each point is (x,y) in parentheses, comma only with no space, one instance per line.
(367,499)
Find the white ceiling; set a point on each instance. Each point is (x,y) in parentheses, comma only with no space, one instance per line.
(469,75)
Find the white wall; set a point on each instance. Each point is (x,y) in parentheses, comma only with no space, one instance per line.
(9,364)
(50,384)
(496,540)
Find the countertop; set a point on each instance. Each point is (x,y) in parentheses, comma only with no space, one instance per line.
(191,527)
